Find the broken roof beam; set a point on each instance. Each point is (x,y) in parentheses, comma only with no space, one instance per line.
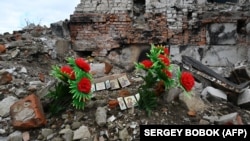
(199,69)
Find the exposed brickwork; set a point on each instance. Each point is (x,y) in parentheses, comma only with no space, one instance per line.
(101,30)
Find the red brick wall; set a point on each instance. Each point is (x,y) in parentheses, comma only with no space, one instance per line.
(114,30)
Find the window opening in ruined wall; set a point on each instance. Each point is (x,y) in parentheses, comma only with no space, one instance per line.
(139,7)
(241,24)
(138,13)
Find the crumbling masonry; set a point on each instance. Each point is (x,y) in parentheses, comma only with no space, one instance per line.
(99,26)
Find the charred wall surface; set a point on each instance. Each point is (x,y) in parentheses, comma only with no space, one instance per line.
(102,25)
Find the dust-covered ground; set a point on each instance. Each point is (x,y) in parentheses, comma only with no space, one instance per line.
(30,64)
(125,124)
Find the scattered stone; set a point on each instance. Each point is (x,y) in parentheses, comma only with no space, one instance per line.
(40,137)
(20,92)
(193,102)
(124,135)
(101,116)
(5,78)
(15,53)
(68,135)
(5,105)
(133,125)
(15,136)
(75,125)
(211,119)
(46,132)
(26,136)
(51,136)
(244,99)
(230,119)
(203,122)
(212,93)
(23,70)
(2,131)
(81,133)
(64,131)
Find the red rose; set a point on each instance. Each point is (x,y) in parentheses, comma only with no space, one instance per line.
(68,71)
(187,80)
(164,59)
(166,51)
(168,73)
(81,63)
(147,63)
(84,85)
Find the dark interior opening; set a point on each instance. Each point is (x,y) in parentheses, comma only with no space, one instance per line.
(241,24)
(189,15)
(143,54)
(139,7)
(84,53)
(222,1)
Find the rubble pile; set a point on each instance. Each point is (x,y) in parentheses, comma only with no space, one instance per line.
(26,62)
(111,37)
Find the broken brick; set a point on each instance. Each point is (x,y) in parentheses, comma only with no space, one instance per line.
(2,48)
(27,113)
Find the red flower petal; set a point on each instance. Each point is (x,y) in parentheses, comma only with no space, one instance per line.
(81,63)
(164,59)
(147,63)
(84,85)
(168,73)
(166,51)
(68,71)
(187,80)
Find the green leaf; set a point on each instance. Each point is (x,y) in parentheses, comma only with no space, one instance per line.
(60,98)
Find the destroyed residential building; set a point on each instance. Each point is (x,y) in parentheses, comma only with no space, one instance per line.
(216,33)
(200,34)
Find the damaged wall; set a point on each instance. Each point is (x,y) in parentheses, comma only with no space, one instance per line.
(193,27)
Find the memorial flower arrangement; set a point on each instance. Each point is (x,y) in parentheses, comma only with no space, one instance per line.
(158,68)
(74,85)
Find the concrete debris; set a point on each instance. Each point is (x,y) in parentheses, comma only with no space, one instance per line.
(112,35)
